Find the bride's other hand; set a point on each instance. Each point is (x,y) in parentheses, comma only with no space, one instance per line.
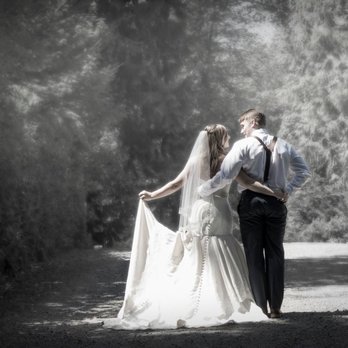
(282,196)
(145,195)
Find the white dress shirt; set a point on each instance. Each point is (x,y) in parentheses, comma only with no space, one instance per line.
(248,154)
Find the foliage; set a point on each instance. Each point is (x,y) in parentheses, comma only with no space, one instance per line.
(315,118)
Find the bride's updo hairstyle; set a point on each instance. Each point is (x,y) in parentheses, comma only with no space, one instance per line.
(217,135)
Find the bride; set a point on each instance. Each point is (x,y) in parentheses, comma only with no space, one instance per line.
(196,276)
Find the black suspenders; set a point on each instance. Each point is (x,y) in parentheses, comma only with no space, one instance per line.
(269,150)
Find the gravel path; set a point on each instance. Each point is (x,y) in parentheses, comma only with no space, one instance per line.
(56,305)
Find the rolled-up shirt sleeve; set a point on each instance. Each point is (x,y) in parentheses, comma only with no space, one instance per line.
(230,168)
(212,185)
(300,169)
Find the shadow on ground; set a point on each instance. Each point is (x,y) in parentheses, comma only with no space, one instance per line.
(317,272)
(55,306)
(294,330)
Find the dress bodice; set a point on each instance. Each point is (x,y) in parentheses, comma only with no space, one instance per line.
(212,216)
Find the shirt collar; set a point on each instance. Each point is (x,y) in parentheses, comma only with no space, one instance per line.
(258,132)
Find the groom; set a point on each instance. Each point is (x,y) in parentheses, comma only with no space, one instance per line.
(262,218)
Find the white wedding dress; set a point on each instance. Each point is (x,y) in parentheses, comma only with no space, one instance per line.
(196,277)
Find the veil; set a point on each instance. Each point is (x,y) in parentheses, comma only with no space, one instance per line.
(197,171)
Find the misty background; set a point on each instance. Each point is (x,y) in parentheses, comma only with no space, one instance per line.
(101,99)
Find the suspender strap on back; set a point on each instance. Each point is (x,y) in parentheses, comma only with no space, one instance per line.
(269,151)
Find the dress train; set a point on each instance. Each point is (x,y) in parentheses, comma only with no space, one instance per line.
(186,278)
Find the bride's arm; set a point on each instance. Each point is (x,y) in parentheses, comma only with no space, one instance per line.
(256,186)
(165,190)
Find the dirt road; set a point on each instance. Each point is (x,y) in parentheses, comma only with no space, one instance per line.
(58,306)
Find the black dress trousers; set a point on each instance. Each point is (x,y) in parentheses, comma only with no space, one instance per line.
(262,225)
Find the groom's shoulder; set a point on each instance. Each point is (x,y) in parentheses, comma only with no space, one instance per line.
(284,142)
(244,146)
(246,143)
(283,145)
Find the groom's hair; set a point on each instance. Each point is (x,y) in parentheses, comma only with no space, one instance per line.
(252,114)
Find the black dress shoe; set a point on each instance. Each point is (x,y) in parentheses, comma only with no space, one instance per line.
(276,314)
